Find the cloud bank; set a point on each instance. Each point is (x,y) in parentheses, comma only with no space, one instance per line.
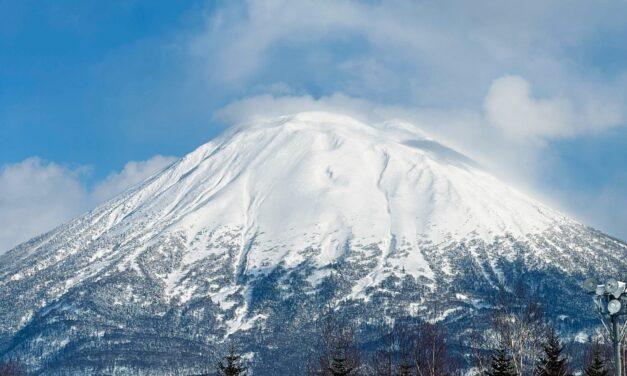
(37,195)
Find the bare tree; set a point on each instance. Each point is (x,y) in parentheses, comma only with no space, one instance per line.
(382,359)
(519,326)
(476,346)
(338,342)
(431,355)
(398,352)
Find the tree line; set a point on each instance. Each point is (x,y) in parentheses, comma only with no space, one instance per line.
(518,341)
(425,352)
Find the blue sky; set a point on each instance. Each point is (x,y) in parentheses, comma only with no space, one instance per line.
(95,96)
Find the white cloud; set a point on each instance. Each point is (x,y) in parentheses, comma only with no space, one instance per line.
(133,173)
(510,106)
(36,195)
(417,53)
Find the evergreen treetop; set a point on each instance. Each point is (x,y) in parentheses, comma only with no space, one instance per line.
(596,367)
(552,363)
(233,365)
(338,366)
(501,364)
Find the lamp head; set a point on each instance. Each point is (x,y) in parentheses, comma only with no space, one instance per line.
(611,285)
(614,306)
(615,288)
(590,285)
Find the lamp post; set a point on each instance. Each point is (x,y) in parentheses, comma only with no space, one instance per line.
(607,298)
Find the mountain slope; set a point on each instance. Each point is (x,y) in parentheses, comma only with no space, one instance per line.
(269,223)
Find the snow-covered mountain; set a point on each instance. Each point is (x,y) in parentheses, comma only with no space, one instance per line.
(250,235)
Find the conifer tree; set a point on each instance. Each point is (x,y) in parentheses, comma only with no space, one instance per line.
(404,369)
(338,366)
(596,367)
(552,363)
(233,365)
(501,365)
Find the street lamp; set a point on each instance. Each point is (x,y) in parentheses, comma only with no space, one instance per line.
(607,298)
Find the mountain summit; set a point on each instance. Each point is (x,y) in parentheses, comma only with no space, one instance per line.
(248,236)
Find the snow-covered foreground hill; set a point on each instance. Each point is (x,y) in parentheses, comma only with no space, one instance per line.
(248,238)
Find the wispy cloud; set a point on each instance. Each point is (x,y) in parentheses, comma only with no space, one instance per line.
(132,173)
